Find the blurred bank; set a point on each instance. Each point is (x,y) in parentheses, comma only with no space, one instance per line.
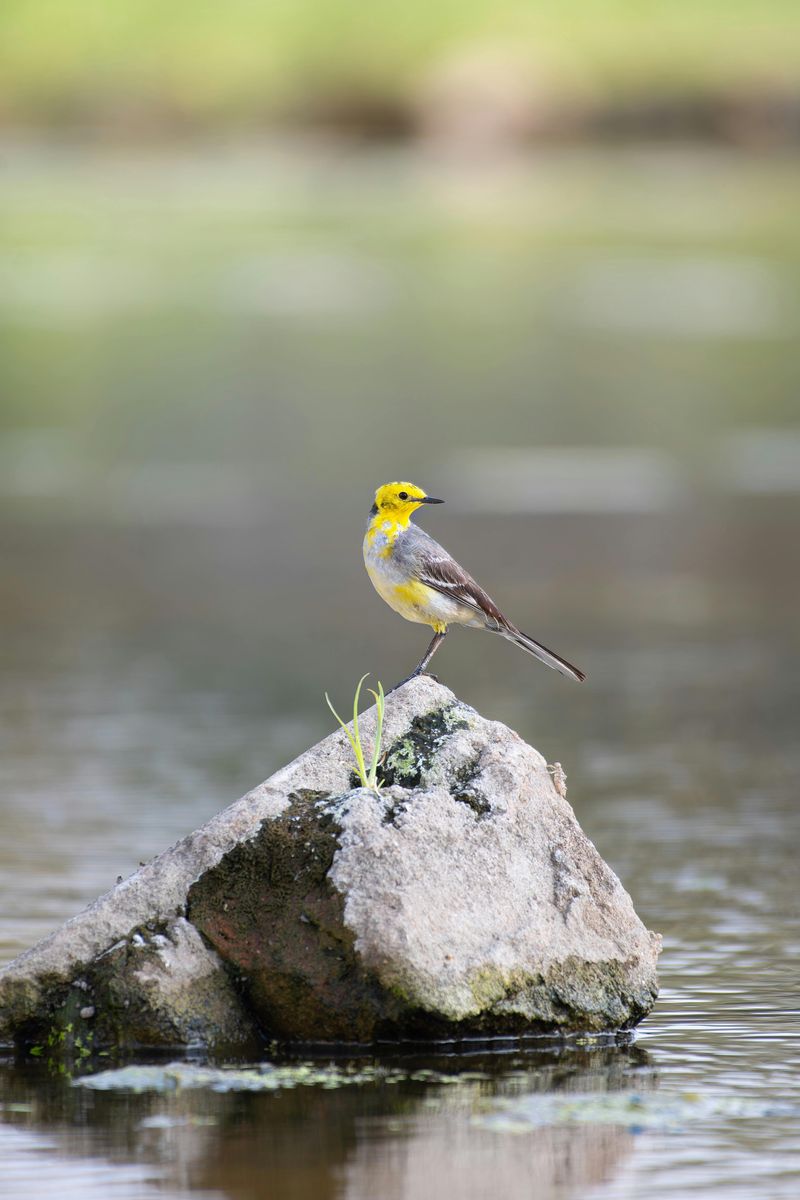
(470,73)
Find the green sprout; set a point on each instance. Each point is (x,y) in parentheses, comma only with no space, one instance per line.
(369,778)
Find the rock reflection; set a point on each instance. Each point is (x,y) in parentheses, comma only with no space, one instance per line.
(445,1157)
(439,1150)
(411,1134)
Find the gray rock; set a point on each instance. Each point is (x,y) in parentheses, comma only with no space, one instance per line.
(462,898)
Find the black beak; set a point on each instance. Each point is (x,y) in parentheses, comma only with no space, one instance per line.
(431,500)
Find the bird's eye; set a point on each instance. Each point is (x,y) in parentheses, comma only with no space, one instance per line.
(402,495)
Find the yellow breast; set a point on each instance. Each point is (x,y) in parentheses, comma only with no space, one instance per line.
(408,597)
(411,599)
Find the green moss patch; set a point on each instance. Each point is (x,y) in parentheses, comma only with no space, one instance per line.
(407,760)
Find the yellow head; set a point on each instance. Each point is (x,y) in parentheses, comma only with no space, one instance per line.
(399,500)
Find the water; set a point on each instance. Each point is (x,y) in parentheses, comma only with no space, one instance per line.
(206,372)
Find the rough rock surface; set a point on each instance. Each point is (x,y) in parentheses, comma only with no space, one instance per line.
(464,898)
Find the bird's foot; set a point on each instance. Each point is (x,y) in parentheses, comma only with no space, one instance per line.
(401,683)
(414,675)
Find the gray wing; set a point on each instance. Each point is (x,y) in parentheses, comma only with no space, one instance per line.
(432,565)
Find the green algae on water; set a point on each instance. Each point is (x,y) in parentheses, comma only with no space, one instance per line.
(264,1077)
(662,1111)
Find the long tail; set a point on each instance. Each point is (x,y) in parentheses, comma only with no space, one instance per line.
(541,652)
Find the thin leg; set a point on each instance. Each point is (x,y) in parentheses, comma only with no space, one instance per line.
(419,669)
(436,642)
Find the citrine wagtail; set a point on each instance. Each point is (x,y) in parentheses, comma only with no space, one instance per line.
(421,581)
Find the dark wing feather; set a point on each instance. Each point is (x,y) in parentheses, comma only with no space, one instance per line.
(436,569)
(443,574)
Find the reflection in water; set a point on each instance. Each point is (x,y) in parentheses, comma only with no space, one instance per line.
(443,1155)
(575,479)
(414,1134)
(38,1167)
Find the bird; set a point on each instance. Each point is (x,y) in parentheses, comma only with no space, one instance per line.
(423,583)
